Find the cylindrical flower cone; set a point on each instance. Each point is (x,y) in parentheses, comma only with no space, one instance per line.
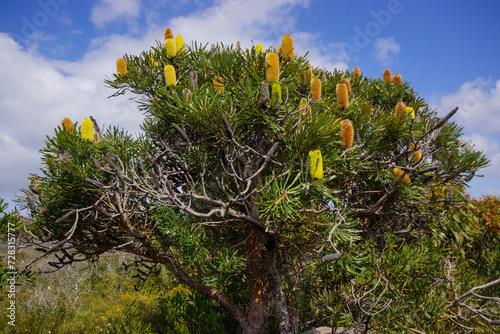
(87,129)
(342,95)
(170,47)
(400,107)
(287,46)
(347,82)
(168,33)
(218,84)
(397,79)
(121,67)
(272,67)
(415,155)
(170,77)
(399,172)
(179,43)
(346,133)
(68,125)
(315,89)
(259,49)
(308,74)
(387,76)
(356,72)
(316,164)
(410,111)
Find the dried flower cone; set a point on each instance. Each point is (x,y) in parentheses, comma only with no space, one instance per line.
(356,72)
(400,107)
(121,67)
(342,95)
(218,84)
(170,47)
(387,76)
(179,43)
(170,77)
(272,67)
(415,155)
(287,46)
(316,164)
(315,89)
(347,82)
(397,79)
(168,33)
(346,133)
(87,129)
(68,125)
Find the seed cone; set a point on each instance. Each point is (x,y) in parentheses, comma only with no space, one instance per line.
(387,76)
(272,67)
(170,77)
(346,133)
(398,79)
(121,67)
(68,125)
(170,47)
(316,164)
(315,89)
(168,33)
(287,47)
(87,129)
(342,95)
(400,107)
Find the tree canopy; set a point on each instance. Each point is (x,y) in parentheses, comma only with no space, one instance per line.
(289,194)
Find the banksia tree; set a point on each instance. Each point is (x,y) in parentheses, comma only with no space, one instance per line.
(287,47)
(282,219)
(121,67)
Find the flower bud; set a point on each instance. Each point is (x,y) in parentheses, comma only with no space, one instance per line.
(388,76)
(356,72)
(400,107)
(398,79)
(316,164)
(68,125)
(168,33)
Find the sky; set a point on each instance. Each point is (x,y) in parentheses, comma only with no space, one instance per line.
(56,54)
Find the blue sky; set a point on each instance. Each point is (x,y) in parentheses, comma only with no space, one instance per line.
(56,54)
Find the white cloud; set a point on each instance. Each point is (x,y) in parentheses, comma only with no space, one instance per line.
(386,49)
(111,10)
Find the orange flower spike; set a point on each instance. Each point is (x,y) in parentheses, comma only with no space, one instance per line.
(400,107)
(315,89)
(272,67)
(170,47)
(87,129)
(121,67)
(342,95)
(168,33)
(356,72)
(68,125)
(346,133)
(179,43)
(397,79)
(170,77)
(287,47)
(415,155)
(388,76)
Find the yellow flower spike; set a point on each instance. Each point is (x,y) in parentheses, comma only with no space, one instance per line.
(315,89)
(87,129)
(398,79)
(170,47)
(287,46)
(415,155)
(410,111)
(68,125)
(121,67)
(259,49)
(347,82)
(179,43)
(168,34)
(152,60)
(170,77)
(388,76)
(356,72)
(272,67)
(316,164)
(218,84)
(275,89)
(346,133)
(342,95)
(400,107)
(96,137)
